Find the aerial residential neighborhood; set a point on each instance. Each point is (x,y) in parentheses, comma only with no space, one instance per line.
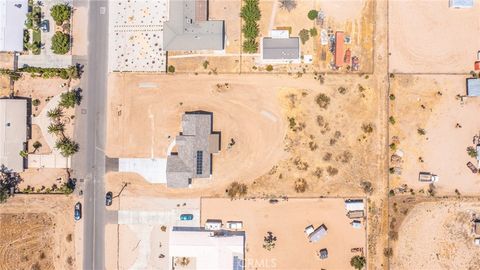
(239,134)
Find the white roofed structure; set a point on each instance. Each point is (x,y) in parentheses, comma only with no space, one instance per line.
(221,250)
(13,14)
(354,205)
(13,132)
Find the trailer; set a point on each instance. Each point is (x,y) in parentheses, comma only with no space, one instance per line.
(427,177)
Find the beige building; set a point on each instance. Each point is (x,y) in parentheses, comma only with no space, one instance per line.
(13,132)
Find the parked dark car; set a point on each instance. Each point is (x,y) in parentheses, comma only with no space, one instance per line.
(472,167)
(45,26)
(186,217)
(78,211)
(108,198)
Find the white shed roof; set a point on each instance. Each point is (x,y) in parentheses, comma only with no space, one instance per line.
(354,205)
(210,252)
(461,3)
(13,14)
(13,132)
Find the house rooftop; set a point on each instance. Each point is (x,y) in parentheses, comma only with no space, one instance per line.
(318,234)
(281,48)
(461,3)
(195,145)
(187,27)
(13,132)
(207,249)
(13,14)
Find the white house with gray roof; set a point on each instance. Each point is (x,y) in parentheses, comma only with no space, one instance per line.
(280,48)
(13,133)
(195,146)
(13,14)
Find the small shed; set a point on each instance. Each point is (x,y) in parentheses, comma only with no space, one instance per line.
(355,214)
(234,225)
(476,241)
(213,224)
(473,87)
(460,3)
(356,224)
(309,230)
(354,205)
(318,234)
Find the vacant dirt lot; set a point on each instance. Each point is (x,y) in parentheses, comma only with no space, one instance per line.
(419,43)
(429,103)
(287,221)
(37,233)
(281,132)
(437,235)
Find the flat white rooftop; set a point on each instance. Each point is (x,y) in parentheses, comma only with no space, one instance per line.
(13,14)
(209,252)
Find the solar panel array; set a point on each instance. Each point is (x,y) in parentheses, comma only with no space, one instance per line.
(199,162)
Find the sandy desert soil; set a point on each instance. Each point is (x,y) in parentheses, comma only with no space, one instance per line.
(37,136)
(37,232)
(443,147)
(287,221)
(255,111)
(42,177)
(437,235)
(419,43)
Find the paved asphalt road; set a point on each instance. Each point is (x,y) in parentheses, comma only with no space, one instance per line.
(89,163)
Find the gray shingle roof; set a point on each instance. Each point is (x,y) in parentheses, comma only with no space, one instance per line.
(281,48)
(194,145)
(183,32)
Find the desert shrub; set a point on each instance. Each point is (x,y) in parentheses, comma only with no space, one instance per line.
(342,90)
(327,157)
(237,190)
(313,32)
(358,262)
(323,101)
(288,5)
(205,64)
(269,241)
(312,14)
(391,97)
(36,102)
(391,119)
(332,171)
(269,68)
(171,69)
(300,185)
(251,14)
(387,252)
(367,127)
(304,35)
(318,172)
(367,187)
(250,46)
(421,131)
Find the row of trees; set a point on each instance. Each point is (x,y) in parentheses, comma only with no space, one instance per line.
(72,72)
(64,144)
(250,13)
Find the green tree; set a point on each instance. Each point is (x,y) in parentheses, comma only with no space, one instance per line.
(67,146)
(269,68)
(56,128)
(313,32)
(312,14)
(60,43)
(61,13)
(358,262)
(250,11)
(472,152)
(70,99)
(36,145)
(304,35)
(171,69)
(55,113)
(250,30)
(250,46)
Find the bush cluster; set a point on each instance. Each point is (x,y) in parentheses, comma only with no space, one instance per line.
(71,72)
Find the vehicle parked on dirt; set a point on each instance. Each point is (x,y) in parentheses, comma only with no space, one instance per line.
(186,217)
(108,198)
(472,167)
(78,211)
